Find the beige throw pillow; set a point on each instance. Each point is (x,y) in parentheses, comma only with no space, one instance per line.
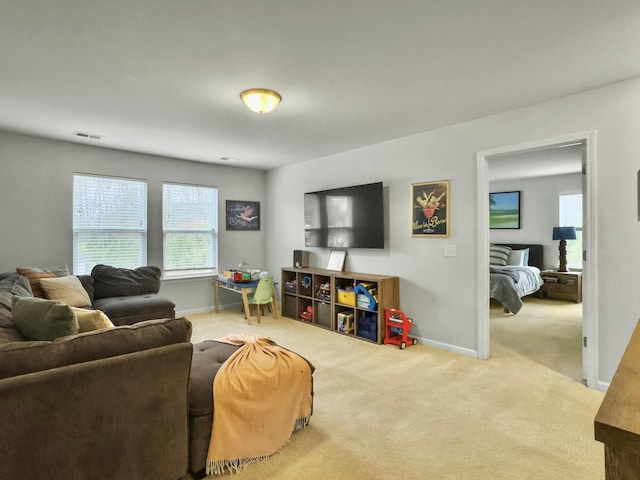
(90,320)
(67,289)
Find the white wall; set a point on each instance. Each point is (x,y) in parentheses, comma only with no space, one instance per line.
(440,293)
(539,206)
(36,191)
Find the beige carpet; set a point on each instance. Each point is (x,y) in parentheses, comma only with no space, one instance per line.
(422,413)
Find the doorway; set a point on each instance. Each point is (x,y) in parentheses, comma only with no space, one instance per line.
(587,312)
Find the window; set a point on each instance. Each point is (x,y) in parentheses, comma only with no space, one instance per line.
(190,230)
(109,222)
(571,216)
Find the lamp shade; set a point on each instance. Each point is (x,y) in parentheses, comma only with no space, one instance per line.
(260,100)
(564,233)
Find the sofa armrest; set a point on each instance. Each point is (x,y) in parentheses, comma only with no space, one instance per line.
(113,418)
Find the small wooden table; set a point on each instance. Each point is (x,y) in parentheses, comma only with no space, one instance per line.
(243,288)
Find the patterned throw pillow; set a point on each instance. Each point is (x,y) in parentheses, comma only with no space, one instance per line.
(498,255)
(35,274)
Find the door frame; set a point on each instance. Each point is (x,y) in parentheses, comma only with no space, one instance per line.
(589,275)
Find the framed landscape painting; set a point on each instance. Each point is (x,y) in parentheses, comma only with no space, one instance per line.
(504,210)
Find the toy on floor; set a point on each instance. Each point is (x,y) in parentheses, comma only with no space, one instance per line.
(397,327)
(307,315)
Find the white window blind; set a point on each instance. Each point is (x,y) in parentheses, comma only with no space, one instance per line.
(570,215)
(109,222)
(571,210)
(190,230)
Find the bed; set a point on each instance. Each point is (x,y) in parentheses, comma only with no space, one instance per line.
(519,277)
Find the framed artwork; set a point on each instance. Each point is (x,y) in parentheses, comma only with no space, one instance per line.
(504,210)
(243,215)
(336,260)
(430,209)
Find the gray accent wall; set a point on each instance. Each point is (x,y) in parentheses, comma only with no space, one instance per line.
(36,198)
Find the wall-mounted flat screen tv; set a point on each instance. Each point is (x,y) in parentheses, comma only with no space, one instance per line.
(348,217)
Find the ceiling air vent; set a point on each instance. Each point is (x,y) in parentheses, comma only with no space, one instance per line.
(93,136)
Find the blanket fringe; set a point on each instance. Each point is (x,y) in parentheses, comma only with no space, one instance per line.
(217,467)
(301,423)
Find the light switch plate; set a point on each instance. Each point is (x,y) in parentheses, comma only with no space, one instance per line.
(450,250)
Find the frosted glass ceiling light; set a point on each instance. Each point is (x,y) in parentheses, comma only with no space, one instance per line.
(260,100)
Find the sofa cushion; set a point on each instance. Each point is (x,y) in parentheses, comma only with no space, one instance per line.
(8,329)
(135,308)
(35,274)
(66,289)
(19,358)
(40,319)
(208,357)
(90,320)
(87,283)
(115,282)
(16,284)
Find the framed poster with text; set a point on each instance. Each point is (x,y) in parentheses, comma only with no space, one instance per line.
(430,209)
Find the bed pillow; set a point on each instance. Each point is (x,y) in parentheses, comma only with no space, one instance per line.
(498,255)
(67,289)
(40,319)
(518,258)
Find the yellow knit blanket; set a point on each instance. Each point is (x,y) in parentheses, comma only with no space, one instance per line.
(262,394)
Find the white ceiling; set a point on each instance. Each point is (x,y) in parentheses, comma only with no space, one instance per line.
(543,162)
(164,76)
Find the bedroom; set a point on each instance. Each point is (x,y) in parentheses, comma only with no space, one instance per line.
(548,330)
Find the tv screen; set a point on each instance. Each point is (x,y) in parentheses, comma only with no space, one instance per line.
(348,217)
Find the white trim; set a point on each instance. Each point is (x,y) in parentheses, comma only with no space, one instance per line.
(194,311)
(448,347)
(590,307)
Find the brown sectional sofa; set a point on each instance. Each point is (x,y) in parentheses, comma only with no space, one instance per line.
(128,402)
(109,404)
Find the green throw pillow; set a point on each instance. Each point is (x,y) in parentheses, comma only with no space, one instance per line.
(39,319)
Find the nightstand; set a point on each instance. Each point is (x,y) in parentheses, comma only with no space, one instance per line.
(561,285)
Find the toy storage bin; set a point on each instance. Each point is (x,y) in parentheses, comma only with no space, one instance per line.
(346,297)
(323,314)
(289,307)
(368,325)
(290,286)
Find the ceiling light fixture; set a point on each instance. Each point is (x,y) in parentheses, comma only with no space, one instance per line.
(260,100)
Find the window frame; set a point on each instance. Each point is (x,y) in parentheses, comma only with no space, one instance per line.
(579,228)
(195,272)
(79,268)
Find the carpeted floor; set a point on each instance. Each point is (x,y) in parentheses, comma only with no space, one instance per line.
(422,413)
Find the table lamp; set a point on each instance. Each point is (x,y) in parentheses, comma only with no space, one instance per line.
(563,234)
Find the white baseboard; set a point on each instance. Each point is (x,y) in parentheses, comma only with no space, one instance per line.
(209,309)
(194,311)
(448,347)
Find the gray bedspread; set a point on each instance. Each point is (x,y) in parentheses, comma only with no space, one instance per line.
(509,284)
